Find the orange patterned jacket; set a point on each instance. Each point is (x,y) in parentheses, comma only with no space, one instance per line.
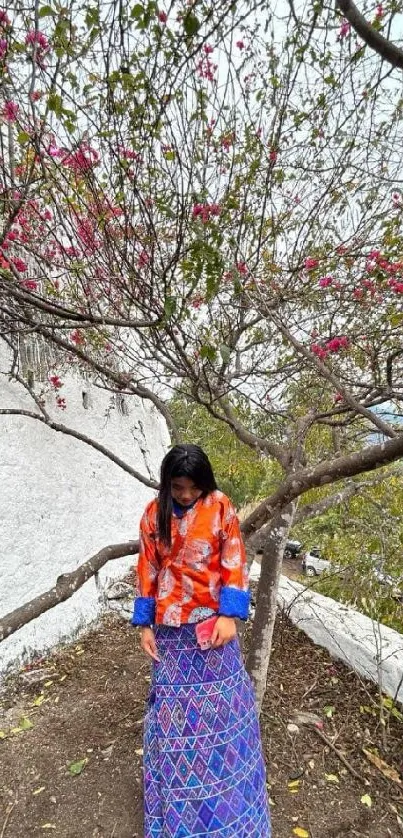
(203,572)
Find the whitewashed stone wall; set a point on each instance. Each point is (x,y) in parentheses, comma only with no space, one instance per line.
(370,648)
(61,502)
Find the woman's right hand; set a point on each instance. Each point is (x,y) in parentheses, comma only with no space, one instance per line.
(148,643)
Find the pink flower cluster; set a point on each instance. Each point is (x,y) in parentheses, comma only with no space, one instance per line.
(10,111)
(4,19)
(325,281)
(162,17)
(40,45)
(3,48)
(82,160)
(205,67)
(205,211)
(227,141)
(310,263)
(332,346)
(344,29)
(56,382)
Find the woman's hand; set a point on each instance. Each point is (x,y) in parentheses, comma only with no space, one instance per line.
(224,631)
(148,643)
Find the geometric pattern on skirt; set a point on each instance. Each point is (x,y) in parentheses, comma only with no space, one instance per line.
(204,772)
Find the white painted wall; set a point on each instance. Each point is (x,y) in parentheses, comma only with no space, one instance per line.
(370,648)
(61,501)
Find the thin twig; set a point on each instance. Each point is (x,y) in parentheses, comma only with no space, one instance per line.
(9,810)
(341,757)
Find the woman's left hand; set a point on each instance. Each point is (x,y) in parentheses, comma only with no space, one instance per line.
(224,631)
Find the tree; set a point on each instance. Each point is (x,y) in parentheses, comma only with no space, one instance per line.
(206,207)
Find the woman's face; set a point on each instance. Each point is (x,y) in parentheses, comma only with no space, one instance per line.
(184,491)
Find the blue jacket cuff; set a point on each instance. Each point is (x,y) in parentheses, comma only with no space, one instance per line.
(234,603)
(144,611)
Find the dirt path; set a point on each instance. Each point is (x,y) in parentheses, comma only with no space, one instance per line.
(90,708)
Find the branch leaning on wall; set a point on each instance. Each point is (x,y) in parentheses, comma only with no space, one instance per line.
(66,585)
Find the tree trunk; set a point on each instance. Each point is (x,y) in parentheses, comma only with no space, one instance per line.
(257,662)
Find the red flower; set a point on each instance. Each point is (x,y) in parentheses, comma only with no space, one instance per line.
(77,337)
(56,382)
(311,263)
(10,111)
(240,45)
(162,17)
(325,281)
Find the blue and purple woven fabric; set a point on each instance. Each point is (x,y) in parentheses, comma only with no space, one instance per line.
(204,772)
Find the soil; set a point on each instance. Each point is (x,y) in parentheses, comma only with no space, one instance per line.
(88,713)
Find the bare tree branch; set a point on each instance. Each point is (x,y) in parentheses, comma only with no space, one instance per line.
(374,39)
(66,585)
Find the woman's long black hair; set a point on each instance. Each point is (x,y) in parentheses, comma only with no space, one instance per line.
(182,461)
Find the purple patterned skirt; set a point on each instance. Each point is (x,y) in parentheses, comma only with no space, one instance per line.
(204,772)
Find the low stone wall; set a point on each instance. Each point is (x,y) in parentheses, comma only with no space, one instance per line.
(370,648)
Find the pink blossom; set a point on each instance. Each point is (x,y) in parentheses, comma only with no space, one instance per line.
(82,160)
(19,264)
(208,49)
(379,11)
(335,344)
(205,211)
(3,47)
(311,263)
(227,141)
(162,17)
(4,19)
(10,111)
(272,155)
(397,200)
(319,351)
(396,286)
(35,95)
(144,259)
(127,153)
(61,402)
(30,284)
(344,29)
(240,44)
(242,268)
(39,38)
(337,398)
(206,68)
(197,301)
(3,263)
(77,337)
(325,281)
(56,382)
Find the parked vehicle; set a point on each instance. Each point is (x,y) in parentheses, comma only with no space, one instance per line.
(292,549)
(313,564)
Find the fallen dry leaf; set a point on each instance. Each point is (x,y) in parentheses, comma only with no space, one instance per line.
(382,766)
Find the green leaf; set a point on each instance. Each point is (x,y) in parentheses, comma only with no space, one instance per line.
(23,137)
(137,11)
(366,800)
(75,768)
(55,103)
(25,724)
(46,11)
(169,306)
(191,24)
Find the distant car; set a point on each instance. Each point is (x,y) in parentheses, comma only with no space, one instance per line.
(292,549)
(313,564)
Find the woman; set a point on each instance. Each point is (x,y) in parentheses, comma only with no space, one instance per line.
(203,766)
